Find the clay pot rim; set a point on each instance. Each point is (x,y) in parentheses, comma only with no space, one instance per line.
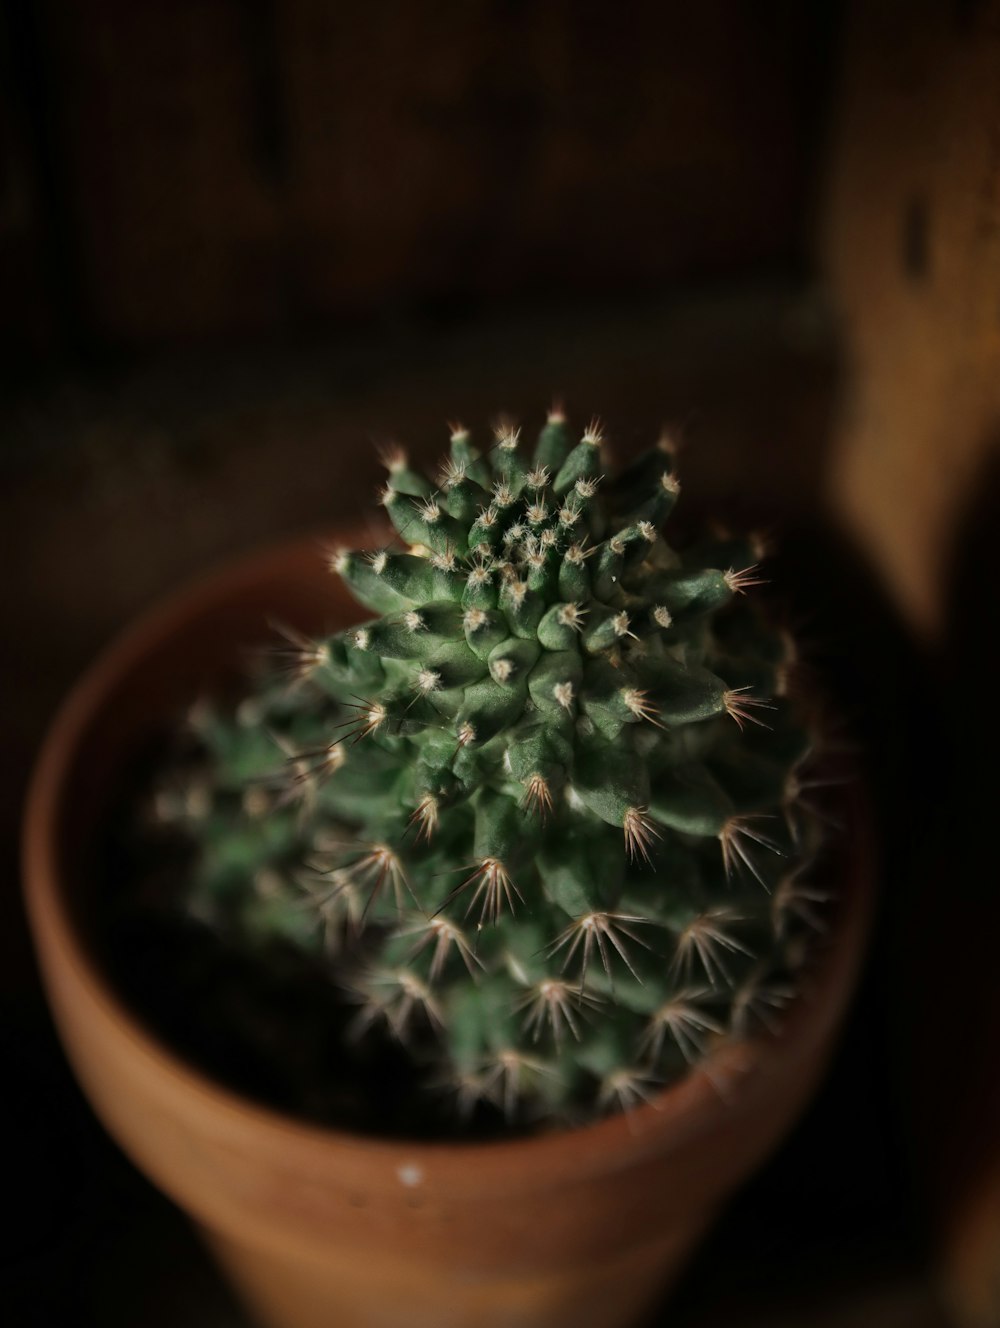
(687,1108)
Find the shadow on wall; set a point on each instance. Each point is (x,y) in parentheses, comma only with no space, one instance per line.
(951,1030)
(834,1209)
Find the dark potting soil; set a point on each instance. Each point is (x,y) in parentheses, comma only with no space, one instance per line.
(271,1024)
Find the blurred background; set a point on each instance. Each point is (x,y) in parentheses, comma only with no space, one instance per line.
(243,240)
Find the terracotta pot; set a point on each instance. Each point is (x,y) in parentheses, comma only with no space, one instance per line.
(574,1229)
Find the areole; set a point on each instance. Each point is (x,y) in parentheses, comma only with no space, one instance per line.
(316,1227)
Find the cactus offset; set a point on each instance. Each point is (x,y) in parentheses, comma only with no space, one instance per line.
(544,810)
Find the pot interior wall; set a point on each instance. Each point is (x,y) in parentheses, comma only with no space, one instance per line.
(204,645)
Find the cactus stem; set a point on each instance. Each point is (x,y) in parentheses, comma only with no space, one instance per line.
(621,623)
(469,1088)
(444,561)
(393,457)
(796,799)
(425,817)
(249,712)
(538,797)
(370,716)
(306,770)
(428,509)
(684,1021)
(736,850)
(741,707)
(599,930)
(445,938)
(637,701)
(640,831)
(762,1001)
(506,436)
(592,434)
(503,1077)
(452,473)
(792,898)
(340,560)
(371,871)
(563,693)
(301,658)
(256,801)
(405,994)
(740,582)
(427,681)
(335,899)
(543,664)
(195,803)
(706,939)
(518,591)
(556,1004)
(572,615)
(457,432)
(624,1090)
(495,889)
(790,653)
(578,553)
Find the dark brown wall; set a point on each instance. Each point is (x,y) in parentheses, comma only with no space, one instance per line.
(240,165)
(24,299)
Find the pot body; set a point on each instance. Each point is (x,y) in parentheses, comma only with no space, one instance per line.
(317,1228)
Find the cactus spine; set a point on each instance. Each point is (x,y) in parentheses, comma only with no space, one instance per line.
(543,810)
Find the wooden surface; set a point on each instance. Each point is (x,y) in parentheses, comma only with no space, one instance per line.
(912,239)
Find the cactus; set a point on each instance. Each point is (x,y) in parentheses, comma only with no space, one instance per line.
(543,814)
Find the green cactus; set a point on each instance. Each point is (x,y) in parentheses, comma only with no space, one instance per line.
(543,812)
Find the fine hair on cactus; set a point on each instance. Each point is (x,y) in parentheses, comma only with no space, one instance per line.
(544,815)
